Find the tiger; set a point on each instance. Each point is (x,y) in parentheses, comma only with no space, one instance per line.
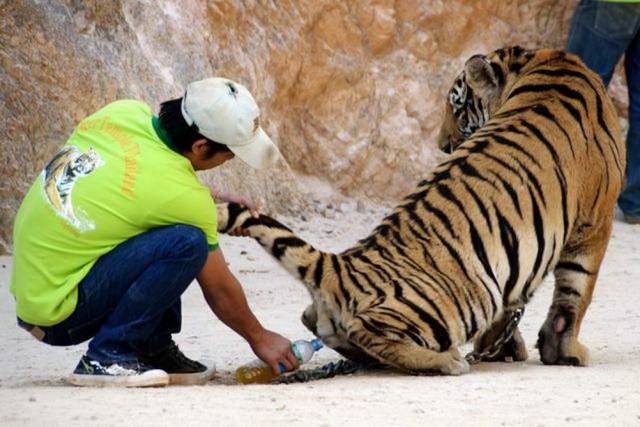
(60,176)
(535,166)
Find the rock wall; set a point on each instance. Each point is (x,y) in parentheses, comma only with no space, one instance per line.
(350,90)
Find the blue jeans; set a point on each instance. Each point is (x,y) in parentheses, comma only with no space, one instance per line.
(129,302)
(600,34)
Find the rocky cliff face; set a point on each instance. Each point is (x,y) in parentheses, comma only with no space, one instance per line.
(350,90)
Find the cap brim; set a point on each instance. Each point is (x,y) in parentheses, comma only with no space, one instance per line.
(259,153)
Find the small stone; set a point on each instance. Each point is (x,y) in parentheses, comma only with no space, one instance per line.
(32,399)
(360,208)
(243,252)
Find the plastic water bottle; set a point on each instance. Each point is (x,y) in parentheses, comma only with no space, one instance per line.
(258,372)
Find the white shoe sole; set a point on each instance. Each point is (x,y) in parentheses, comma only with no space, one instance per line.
(198,378)
(152,378)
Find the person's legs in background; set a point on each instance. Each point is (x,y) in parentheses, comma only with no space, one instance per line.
(601,32)
(629,200)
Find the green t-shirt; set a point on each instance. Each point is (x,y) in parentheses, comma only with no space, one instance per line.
(116,177)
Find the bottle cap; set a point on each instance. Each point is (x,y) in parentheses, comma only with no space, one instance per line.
(316,344)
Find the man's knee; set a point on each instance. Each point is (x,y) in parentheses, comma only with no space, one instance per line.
(190,242)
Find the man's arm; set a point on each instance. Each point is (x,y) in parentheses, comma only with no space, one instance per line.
(227,300)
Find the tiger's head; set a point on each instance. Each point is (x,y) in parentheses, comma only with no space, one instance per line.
(477,92)
(85,163)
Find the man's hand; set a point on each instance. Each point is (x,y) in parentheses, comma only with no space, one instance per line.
(273,349)
(220,196)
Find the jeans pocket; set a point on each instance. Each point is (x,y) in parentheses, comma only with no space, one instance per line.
(617,21)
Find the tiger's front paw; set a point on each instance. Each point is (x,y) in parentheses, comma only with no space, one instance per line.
(558,346)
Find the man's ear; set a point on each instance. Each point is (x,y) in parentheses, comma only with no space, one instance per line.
(199,147)
(480,76)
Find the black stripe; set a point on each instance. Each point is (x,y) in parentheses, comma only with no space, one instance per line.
(573,266)
(447,286)
(511,247)
(352,277)
(281,244)
(423,296)
(543,111)
(532,179)
(371,283)
(597,93)
(512,112)
(481,207)
(497,71)
(562,89)
(266,221)
(512,144)
(569,291)
(563,198)
(578,119)
(458,259)
(346,295)
(539,229)
(510,192)
(411,329)
(502,163)
(439,332)
(441,216)
(318,271)
(233,212)
(596,196)
(415,218)
(384,276)
(471,171)
(478,246)
(538,134)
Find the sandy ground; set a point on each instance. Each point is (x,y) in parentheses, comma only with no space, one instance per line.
(32,390)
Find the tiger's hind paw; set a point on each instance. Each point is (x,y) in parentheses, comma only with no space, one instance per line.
(455,367)
(557,345)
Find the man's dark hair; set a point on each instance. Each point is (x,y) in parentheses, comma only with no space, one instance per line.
(181,134)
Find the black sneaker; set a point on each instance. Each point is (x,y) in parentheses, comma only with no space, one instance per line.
(630,219)
(181,369)
(92,373)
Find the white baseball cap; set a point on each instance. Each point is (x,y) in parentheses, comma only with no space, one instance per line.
(225,112)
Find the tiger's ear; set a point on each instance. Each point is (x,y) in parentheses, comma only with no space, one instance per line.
(480,76)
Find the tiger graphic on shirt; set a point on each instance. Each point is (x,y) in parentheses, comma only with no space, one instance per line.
(59,178)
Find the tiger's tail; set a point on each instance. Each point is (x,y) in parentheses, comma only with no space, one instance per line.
(297,256)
